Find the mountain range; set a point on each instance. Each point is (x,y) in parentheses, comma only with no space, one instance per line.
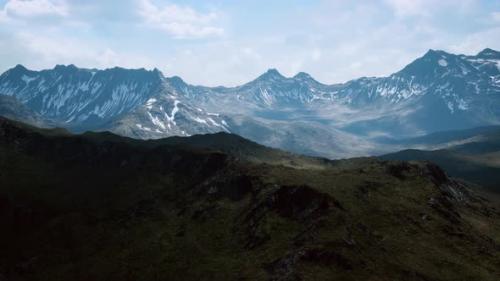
(437,92)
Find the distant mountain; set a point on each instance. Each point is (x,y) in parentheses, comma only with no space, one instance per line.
(473,155)
(437,92)
(166,115)
(99,206)
(135,101)
(11,108)
(80,98)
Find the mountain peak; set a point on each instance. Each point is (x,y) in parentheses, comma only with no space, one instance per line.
(431,53)
(20,67)
(423,66)
(176,81)
(62,67)
(488,54)
(303,76)
(272,73)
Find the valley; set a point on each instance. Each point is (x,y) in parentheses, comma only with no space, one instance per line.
(356,118)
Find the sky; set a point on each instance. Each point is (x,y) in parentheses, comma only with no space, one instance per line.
(227,42)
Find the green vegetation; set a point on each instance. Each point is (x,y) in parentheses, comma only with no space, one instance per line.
(102,207)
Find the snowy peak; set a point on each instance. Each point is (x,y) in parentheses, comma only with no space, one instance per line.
(433,61)
(78,97)
(455,81)
(151,105)
(436,66)
(164,115)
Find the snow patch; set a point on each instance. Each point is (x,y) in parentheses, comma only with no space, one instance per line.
(143,127)
(443,62)
(266,97)
(174,111)
(462,104)
(199,120)
(27,79)
(156,121)
(450,106)
(149,103)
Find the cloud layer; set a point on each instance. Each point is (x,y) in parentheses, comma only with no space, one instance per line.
(222,42)
(179,21)
(35,8)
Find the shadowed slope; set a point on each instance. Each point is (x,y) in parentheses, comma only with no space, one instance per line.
(92,207)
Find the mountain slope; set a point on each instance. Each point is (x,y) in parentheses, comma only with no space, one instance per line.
(473,155)
(165,115)
(11,108)
(80,98)
(438,91)
(101,207)
(132,102)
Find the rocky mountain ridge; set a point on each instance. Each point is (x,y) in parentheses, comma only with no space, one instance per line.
(439,91)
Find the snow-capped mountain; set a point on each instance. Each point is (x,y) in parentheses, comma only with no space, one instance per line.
(90,99)
(273,90)
(438,91)
(80,98)
(455,79)
(270,90)
(165,115)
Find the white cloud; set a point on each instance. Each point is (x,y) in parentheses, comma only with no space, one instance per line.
(316,54)
(3,16)
(45,51)
(473,43)
(179,21)
(33,8)
(407,7)
(333,40)
(425,8)
(495,16)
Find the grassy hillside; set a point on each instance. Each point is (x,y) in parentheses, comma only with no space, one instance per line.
(101,207)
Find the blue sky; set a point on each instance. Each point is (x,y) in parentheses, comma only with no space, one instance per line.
(225,42)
